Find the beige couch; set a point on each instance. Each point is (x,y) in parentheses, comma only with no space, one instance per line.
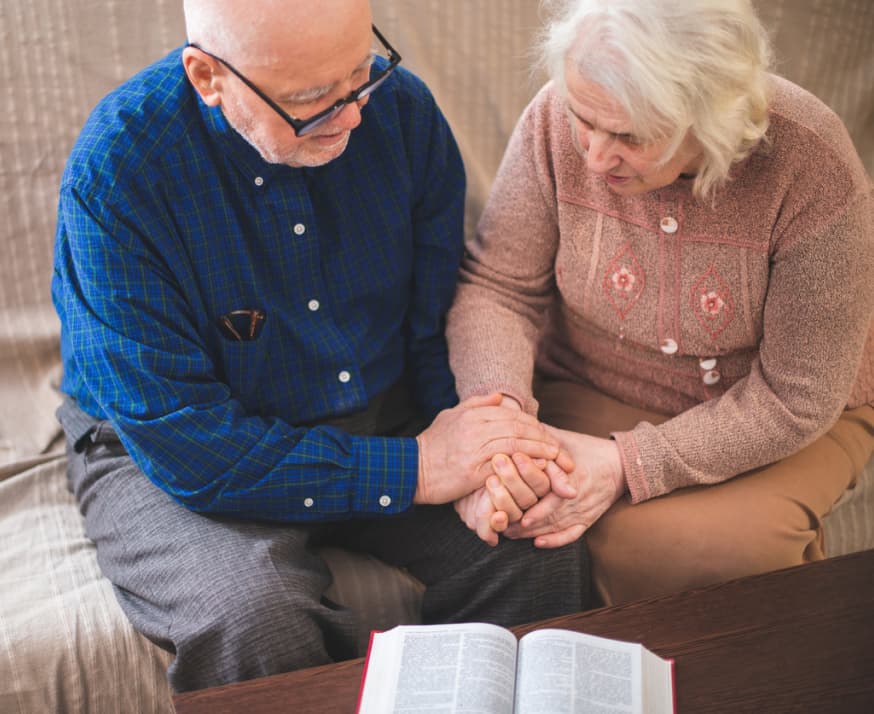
(64,644)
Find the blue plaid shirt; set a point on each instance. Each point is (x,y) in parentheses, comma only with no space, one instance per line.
(169,220)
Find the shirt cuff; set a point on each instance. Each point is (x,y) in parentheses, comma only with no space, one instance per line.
(387,474)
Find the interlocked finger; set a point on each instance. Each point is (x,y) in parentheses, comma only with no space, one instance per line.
(502,499)
(521,491)
(534,476)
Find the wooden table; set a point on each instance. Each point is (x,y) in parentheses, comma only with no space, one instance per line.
(797,640)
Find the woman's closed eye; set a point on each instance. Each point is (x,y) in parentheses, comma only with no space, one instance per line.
(631,139)
(627,138)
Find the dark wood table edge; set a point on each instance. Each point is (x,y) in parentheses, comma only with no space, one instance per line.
(637,621)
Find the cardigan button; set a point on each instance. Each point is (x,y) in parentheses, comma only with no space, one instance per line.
(669,346)
(669,224)
(711,377)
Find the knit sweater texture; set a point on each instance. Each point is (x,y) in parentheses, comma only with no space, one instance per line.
(747,321)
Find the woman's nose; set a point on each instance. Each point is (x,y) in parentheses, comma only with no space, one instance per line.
(600,154)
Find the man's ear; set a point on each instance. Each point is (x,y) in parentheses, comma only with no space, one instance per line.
(201,71)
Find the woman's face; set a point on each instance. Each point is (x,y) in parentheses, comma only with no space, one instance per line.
(601,131)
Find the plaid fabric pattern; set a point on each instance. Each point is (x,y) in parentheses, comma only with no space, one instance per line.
(169,220)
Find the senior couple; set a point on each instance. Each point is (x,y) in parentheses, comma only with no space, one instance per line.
(654,372)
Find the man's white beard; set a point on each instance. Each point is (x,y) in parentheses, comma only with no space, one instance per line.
(245,124)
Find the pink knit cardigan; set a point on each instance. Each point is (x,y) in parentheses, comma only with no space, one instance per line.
(749,322)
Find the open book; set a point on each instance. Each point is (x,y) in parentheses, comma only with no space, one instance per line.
(481,669)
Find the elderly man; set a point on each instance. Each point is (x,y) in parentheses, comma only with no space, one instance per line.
(252,298)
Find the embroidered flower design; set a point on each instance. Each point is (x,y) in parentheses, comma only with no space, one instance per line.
(711,303)
(623,279)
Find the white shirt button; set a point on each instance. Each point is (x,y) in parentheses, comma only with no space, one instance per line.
(385,501)
(259,181)
(669,346)
(308,502)
(344,376)
(313,305)
(711,377)
(299,229)
(669,224)
(707,363)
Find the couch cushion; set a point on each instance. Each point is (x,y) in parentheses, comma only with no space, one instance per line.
(383,596)
(65,645)
(850,525)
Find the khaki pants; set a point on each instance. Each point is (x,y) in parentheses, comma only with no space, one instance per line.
(762,520)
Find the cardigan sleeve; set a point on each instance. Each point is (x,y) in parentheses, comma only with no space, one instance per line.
(507,279)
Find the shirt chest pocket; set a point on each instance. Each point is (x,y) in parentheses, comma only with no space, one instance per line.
(245,367)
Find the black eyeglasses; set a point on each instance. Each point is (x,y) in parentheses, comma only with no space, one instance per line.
(302,127)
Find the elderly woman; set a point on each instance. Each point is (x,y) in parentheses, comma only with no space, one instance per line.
(674,267)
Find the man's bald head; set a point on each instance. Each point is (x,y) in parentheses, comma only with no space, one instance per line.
(302,55)
(254,32)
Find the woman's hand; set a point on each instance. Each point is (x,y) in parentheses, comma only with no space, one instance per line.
(554,521)
(478,513)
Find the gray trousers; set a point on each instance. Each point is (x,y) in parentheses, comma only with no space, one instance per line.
(240,599)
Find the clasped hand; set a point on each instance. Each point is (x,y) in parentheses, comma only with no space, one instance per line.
(585,479)
(456,450)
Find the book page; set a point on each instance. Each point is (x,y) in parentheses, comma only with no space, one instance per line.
(658,682)
(565,672)
(440,669)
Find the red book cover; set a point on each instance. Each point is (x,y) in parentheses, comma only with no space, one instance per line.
(364,671)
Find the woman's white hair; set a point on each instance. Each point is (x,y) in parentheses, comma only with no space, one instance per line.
(674,66)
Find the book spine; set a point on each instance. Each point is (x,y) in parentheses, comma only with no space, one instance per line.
(364,670)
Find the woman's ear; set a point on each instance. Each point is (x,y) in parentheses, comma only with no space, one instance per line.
(201,71)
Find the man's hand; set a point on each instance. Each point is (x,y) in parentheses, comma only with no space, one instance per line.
(554,521)
(455,451)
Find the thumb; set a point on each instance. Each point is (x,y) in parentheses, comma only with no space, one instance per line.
(560,481)
(565,462)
